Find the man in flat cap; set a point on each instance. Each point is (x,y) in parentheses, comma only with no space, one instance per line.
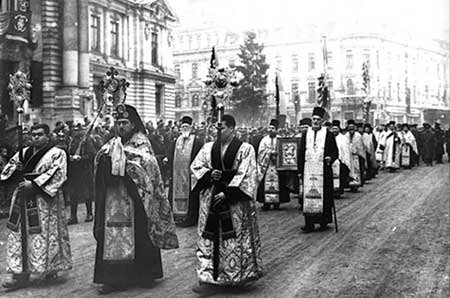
(181,154)
(272,189)
(133,218)
(318,151)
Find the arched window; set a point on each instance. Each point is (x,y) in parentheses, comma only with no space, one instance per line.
(350,87)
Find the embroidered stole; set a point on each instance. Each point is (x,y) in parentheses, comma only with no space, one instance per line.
(406,154)
(119,237)
(219,223)
(313,172)
(355,170)
(336,167)
(271,182)
(181,175)
(30,161)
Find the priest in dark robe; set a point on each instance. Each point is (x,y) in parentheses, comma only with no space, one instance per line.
(318,151)
(228,247)
(427,144)
(181,154)
(133,219)
(273,184)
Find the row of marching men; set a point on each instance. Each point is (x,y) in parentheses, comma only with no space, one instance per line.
(359,152)
(133,218)
(217,182)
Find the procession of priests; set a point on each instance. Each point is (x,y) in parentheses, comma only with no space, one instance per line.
(215,178)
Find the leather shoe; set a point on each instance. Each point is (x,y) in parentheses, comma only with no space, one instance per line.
(107,289)
(204,288)
(16,284)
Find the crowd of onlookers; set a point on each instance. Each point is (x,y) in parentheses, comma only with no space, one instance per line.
(80,140)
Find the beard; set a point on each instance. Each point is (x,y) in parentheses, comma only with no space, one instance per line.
(273,134)
(185,134)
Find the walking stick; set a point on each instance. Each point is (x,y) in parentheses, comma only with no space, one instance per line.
(335,218)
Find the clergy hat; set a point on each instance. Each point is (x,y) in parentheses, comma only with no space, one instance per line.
(318,111)
(336,123)
(327,124)
(391,123)
(274,122)
(306,121)
(187,120)
(351,122)
(125,111)
(426,125)
(405,125)
(367,125)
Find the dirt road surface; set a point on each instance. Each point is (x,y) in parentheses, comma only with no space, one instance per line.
(393,241)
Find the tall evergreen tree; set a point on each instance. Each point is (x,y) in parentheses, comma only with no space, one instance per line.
(249,97)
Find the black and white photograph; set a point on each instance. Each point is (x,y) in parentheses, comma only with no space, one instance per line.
(225,148)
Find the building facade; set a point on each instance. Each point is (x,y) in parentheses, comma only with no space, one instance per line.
(409,81)
(79,40)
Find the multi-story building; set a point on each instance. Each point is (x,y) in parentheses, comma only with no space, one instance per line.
(409,80)
(79,40)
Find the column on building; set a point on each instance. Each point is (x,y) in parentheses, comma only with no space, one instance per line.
(70,43)
(83,36)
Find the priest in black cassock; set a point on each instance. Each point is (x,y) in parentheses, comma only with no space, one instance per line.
(318,151)
(133,218)
(181,154)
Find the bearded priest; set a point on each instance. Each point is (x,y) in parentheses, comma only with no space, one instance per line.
(318,151)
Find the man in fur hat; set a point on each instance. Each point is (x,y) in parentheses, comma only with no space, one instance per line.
(318,151)
(133,218)
(181,154)
(272,189)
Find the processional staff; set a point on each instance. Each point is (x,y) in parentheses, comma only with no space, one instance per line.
(19,87)
(219,83)
(114,92)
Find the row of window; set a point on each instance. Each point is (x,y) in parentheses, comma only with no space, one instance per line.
(115,37)
(350,90)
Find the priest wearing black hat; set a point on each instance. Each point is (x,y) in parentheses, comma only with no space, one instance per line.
(181,154)
(358,156)
(341,167)
(133,218)
(392,148)
(318,151)
(272,189)
(370,145)
(409,151)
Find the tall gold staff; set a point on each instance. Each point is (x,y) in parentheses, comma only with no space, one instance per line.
(19,87)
